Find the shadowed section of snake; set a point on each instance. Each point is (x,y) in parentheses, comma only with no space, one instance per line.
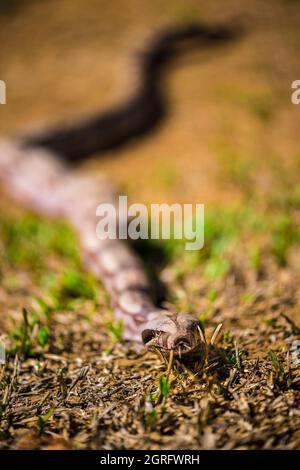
(143,111)
(33,169)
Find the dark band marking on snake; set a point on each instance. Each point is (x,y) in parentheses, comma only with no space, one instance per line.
(37,170)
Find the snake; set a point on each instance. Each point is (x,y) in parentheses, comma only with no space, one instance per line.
(39,170)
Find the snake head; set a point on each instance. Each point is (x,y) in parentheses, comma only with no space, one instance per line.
(180,333)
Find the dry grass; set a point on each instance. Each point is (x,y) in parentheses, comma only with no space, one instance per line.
(71,382)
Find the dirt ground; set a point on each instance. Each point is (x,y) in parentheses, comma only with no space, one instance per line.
(230,142)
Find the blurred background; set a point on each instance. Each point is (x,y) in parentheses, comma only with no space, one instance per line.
(232,130)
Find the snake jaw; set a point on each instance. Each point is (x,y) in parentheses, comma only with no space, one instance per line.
(173,332)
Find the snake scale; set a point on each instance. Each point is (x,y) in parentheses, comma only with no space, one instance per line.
(38,171)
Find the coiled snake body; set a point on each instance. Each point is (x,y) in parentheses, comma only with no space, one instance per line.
(36,169)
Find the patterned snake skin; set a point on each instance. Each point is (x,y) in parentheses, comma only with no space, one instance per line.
(37,171)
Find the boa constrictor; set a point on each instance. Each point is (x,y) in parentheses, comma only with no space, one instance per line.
(37,170)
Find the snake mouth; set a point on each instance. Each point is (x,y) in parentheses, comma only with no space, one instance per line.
(188,351)
(162,340)
(183,346)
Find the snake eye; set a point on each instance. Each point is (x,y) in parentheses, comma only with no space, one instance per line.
(148,335)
